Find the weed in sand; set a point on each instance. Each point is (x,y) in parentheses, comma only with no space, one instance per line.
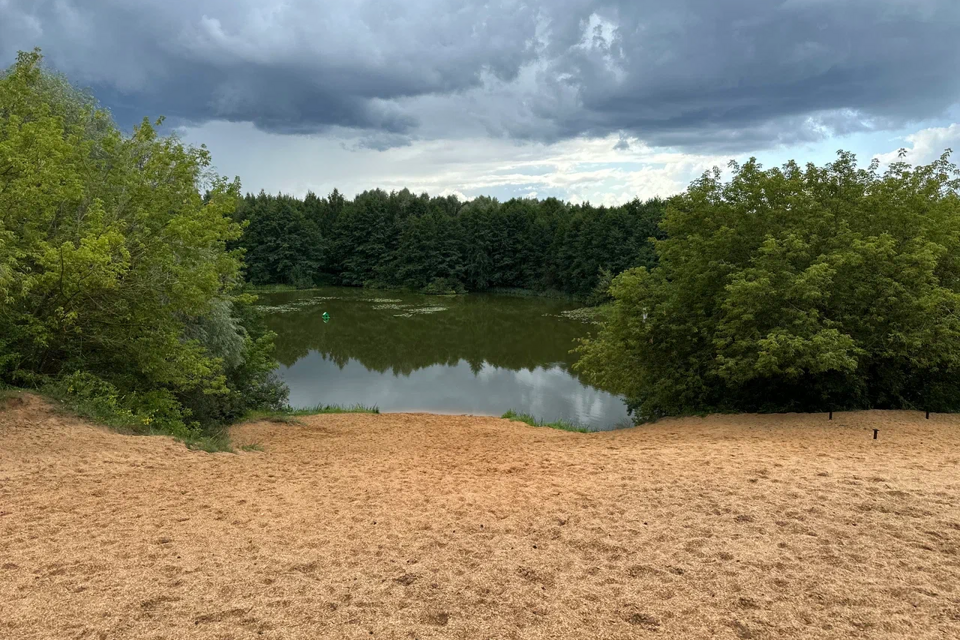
(211,444)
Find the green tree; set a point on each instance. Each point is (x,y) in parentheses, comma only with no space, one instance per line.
(794,289)
(282,240)
(477,224)
(363,235)
(111,261)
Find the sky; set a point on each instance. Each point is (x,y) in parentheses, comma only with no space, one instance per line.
(585,100)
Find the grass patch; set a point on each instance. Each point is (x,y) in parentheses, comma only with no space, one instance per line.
(290,415)
(269,416)
(526,418)
(332,408)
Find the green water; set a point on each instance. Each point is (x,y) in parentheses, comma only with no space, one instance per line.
(478,354)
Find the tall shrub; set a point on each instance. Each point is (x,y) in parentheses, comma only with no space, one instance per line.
(794,288)
(111,261)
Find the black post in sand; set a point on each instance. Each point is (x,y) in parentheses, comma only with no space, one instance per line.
(831,415)
(928,415)
(875,432)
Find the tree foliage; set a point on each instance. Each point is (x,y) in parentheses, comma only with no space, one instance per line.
(794,289)
(439,244)
(111,261)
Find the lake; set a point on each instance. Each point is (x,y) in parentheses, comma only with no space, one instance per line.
(479,354)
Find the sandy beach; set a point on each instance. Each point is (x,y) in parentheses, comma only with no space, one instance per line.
(425,526)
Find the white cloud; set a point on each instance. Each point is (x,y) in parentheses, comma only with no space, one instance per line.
(587,169)
(926,145)
(577,170)
(453,192)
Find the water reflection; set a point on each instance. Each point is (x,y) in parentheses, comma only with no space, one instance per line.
(477,355)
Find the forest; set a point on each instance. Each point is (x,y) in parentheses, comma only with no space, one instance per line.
(443,245)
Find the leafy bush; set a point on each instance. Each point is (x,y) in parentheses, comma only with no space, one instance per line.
(601,292)
(794,289)
(444,287)
(139,412)
(301,277)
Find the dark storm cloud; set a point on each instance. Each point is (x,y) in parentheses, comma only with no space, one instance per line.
(687,73)
(744,72)
(290,67)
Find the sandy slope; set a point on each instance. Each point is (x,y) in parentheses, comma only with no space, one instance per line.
(418,526)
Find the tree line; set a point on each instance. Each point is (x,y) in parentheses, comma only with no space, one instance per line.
(440,244)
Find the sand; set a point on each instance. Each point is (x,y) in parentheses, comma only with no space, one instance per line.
(421,526)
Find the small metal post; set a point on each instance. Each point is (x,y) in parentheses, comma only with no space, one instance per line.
(875,432)
(928,415)
(831,415)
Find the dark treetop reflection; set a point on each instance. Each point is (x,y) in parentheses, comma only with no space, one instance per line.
(477,354)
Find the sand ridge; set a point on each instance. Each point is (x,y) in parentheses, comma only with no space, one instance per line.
(423,526)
